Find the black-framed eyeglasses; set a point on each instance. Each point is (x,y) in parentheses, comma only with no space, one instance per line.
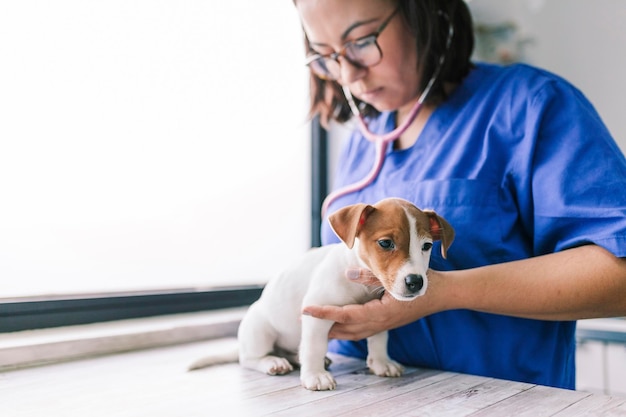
(362,52)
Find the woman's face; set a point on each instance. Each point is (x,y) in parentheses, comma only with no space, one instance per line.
(391,84)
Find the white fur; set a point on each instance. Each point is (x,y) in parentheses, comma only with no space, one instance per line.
(417,264)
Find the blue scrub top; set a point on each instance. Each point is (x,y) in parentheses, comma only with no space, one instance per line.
(520,164)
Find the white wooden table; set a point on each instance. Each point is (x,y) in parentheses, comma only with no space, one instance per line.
(155,383)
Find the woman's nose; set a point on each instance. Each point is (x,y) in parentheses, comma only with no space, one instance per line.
(350,72)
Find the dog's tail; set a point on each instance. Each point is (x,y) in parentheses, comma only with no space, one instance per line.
(218,358)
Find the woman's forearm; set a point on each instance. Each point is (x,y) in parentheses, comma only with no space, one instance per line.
(583,282)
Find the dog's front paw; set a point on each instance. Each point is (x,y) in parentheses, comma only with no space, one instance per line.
(318,381)
(273,365)
(386,367)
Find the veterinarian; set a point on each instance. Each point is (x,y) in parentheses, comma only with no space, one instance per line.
(515,158)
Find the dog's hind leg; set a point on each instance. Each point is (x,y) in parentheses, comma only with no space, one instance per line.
(292,357)
(256,347)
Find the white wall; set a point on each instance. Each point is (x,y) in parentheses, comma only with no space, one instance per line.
(150,144)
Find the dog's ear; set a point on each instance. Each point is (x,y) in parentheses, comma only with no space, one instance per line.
(440,229)
(347,222)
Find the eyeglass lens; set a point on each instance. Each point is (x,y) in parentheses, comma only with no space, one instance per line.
(362,52)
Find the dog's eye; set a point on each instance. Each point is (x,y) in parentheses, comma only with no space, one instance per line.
(426,246)
(386,244)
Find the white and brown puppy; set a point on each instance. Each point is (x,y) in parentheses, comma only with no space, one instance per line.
(392,238)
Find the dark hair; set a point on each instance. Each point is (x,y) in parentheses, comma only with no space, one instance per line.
(428,21)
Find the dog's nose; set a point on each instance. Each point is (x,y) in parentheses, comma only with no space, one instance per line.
(414,282)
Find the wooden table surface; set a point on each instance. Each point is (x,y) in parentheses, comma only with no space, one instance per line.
(155,383)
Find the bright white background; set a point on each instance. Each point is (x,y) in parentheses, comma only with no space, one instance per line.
(150,144)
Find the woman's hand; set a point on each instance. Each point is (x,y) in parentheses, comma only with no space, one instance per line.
(359,321)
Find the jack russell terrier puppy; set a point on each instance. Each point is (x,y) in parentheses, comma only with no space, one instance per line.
(392,239)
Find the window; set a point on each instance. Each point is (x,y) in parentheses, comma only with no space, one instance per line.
(150,146)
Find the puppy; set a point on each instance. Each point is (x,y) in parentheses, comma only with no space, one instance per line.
(392,238)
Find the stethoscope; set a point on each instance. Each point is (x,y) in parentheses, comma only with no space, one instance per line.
(381,141)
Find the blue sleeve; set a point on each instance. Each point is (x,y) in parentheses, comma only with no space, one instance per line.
(578,175)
